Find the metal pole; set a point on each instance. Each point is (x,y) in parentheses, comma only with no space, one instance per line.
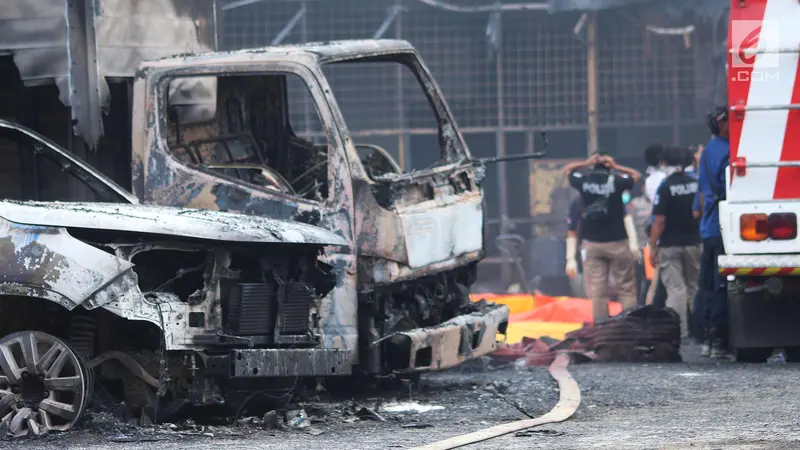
(287,29)
(404,155)
(530,148)
(216,23)
(502,185)
(591,88)
(306,106)
(676,109)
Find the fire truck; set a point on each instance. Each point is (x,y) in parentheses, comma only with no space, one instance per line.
(759,216)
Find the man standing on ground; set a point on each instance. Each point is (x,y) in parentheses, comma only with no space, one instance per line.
(711,169)
(603,230)
(675,234)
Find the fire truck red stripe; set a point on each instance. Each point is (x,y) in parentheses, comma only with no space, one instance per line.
(787,184)
(739,77)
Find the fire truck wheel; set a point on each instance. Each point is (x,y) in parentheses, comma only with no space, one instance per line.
(753,355)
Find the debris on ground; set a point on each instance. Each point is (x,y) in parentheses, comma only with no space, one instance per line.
(777,359)
(642,334)
(271,420)
(127,439)
(403,407)
(535,432)
(369,414)
(417,425)
(297,419)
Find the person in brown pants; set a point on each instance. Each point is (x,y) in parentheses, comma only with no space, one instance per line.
(601,181)
(676,234)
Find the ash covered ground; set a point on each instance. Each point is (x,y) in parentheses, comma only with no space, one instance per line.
(695,404)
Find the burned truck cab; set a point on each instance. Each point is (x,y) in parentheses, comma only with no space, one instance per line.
(262,132)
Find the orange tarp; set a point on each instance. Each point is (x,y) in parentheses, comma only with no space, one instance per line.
(565,309)
(517,303)
(541,315)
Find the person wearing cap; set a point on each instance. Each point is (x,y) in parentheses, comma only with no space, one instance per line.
(711,177)
(603,230)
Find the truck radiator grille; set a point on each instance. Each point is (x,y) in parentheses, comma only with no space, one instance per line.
(251,309)
(296,309)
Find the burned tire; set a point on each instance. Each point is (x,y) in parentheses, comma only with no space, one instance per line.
(44,384)
(753,355)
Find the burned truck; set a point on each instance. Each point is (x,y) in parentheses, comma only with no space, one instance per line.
(215,131)
(259,250)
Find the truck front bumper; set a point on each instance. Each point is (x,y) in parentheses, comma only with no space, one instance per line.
(447,345)
(257,363)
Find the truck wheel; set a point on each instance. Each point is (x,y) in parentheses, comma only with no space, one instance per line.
(44,385)
(753,355)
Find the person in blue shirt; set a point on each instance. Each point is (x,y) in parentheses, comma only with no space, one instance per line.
(711,171)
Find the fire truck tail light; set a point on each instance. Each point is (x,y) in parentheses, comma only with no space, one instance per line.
(740,166)
(753,227)
(760,227)
(783,226)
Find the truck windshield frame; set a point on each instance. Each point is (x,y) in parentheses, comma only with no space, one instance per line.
(276,181)
(453,148)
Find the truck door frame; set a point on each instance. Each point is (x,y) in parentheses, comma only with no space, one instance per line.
(156,171)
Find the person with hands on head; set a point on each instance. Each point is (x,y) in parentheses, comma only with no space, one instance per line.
(600,181)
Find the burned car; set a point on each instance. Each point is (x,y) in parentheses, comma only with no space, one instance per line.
(262,132)
(169,301)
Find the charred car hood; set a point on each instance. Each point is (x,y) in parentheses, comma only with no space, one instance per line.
(164,220)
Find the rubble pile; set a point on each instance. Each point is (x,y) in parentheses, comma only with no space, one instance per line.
(642,334)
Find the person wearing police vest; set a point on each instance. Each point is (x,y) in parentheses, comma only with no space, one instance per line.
(574,260)
(600,181)
(676,235)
